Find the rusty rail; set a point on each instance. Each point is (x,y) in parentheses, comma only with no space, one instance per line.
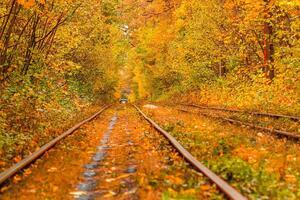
(5,175)
(228,190)
(271,130)
(273,115)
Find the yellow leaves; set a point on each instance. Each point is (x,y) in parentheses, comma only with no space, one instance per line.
(227,40)
(179,24)
(141,82)
(181,11)
(205,187)
(175,180)
(17,159)
(249,154)
(117,178)
(2,163)
(291,158)
(30,3)
(1,45)
(187,192)
(289,3)
(190,191)
(27,3)
(290,178)
(68,66)
(78,193)
(52,169)
(17,178)
(27,172)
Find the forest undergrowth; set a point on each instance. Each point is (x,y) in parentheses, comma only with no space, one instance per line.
(57,67)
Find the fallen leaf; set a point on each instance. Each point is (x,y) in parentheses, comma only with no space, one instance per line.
(27,172)
(117,178)
(16,178)
(52,169)
(205,187)
(190,191)
(290,178)
(78,193)
(17,159)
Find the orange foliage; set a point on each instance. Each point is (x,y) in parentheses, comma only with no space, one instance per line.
(28,3)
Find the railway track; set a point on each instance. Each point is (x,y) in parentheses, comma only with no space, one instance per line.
(277,132)
(228,190)
(272,115)
(223,186)
(5,175)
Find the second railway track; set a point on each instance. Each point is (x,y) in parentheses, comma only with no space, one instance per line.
(272,115)
(282,133)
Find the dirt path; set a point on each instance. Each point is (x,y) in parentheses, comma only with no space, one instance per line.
(117,156)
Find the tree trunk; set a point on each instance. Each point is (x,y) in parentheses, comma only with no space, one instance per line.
(222,68)
(31,45)
(268,45)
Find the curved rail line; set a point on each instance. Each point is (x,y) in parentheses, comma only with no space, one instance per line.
(290,135)
(228,190)
(5,175)
(272,115)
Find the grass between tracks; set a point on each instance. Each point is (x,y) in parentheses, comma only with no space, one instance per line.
(259,165)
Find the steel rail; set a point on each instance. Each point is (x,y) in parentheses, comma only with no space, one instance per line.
(271,130)
(5,175)
(273,115)
(228,190)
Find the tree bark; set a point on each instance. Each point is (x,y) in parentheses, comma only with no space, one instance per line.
(268,45)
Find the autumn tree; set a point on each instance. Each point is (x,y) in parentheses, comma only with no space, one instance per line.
(194,45)
(56,60)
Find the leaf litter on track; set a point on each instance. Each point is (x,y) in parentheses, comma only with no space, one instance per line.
(138,164)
